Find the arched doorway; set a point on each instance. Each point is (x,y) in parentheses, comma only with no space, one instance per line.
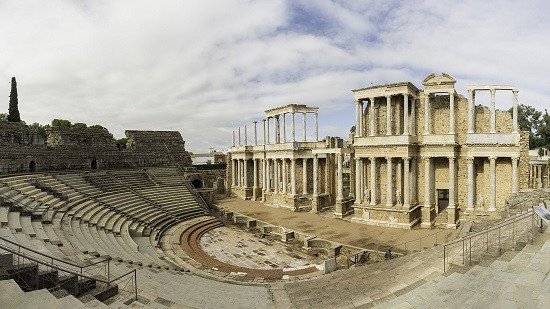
(32,166)
(197,183)
(94,164)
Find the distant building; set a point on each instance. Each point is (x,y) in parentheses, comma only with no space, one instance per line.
(538,169)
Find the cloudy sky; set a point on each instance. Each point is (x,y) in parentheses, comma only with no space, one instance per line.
(206,67)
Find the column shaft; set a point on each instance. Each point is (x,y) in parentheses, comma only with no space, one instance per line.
(492,184)
(452,113)
(255,176)
(452,182)
(276,175)
(293,176)
(283,174)
(245,173)
(371,116)
(406,129)
(315,175)
(264,126)
(493,111)
(515,175)
(389,182)
(268,175)
(373,183)
(293,127)
(268,139)
(427,183)
(304,138)
(388,115)
(340,191)
(361,119)
(316,126)
(406,183)
(357,181)
(471,184)
(284,127)
(515,112)
(233,138)
(304,175)
(357,119)
(255,133)
(471,111)
(239,136)
(245,136)
(427,114)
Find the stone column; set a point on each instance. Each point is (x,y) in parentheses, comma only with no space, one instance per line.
(340,191)
(427,182)
(515,175)
(452,112)
(304,175)
(293,176)
(239,174)
(361,180)
(268,175)
(276,175)
(268,139)
(493,112)
(245,136)
(373,191)
(406,129)
(357,119)
(277,129)
(255,176)
(304,138)
(427,114)
(316,126)
(471,184)
(388,115)
(406,183)
(233,172)
(471,111)
(357,182)
(492,184)
(284,127)
(264,126)
(361,118)
(413,116)
(293,127)
(315,175)
(515,111)
(414,181)
(239,136)
(389,182)
(233,138)
(283,174)
(452,183)
(245,172)
(371,116)
(264,174)
(255,133)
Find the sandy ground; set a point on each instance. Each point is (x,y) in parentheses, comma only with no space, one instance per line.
(342,231)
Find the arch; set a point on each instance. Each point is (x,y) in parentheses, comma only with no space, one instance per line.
(197,183)
(32,166)
(93,164)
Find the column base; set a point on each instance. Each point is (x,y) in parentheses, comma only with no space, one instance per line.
(315,204)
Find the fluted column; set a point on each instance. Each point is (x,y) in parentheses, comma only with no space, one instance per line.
(406,129)
(357,182)
(515,111)
(233,138)
(406,183)
(276,175)
(371,116)
(492,184)
(293,176)
(255,175)
(264,127)
(471,184)
(493,111)
(268,139)
(388,115)
(315,175)
(285,183)
(471,111)
(304,175)
(316,126)
(389,182)
(373,182)
(284,127)
(515,175)
(255,133)
(239,136)
(452,182)
(427,114)
(340,191)
(245,173)
(452,112)
(357,119)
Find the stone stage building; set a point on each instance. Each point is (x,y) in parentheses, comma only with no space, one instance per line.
(418,156)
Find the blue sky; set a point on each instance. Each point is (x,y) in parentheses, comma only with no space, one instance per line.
(206,67)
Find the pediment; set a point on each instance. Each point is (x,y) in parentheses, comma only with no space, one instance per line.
(442,79)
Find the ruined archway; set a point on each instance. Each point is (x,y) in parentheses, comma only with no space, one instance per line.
(32,166)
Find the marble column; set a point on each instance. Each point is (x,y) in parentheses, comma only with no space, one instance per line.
(284,175)
(304,138)
(373,182)
(414,181)
(471,184)
(471,111)
(304,175)
(255,133)
(427,114)
(413,116)
(427,182)
(361,118)
(452,112)
(316,126)
(293,176)
(315,175)
(361,180)
(493,112)
(233,138)
(264,126)
(492,184)
(245,136)
(406,127)
(268,175)
(371,116)
(389,182)
(357,119)
(268,139)
(340,191)
(357,182)
(515,111)
(239,136)
(245,173)
(276,174)
(388,115)
(277,129)
(233,172)
(284,127)
(264,175)
(406,183)
(293,127)
(255,176)
(452,182)
(239,174)
(515,175)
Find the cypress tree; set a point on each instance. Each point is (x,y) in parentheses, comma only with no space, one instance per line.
(13,113)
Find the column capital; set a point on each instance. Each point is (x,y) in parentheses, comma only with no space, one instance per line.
(492,158)
(470,159)
(515,158)
(389,158)
(451,158)
(493,91)
(515,91)
(406,159)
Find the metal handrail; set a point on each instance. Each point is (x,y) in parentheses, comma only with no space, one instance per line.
(417,239)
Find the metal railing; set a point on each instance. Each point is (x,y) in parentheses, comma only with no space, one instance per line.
(491,242)
(415,245)
(97,272)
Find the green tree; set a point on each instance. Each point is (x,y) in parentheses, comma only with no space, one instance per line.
(13,112)
(39,129)
(61,123)
(79,125)
(96,126)
(529,119)
(3,117)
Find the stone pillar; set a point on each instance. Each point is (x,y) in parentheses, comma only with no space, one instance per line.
(515,175)
(361,179)
(239,136)
(277,129)
(515,111)
(361,118)
(268,139)
(264,174)
(315,175)
(371,116)
(255,180)
(452,182)
(414,181)
(493,112)
(245,172)
(264,126)
(268,175)
(427,209)
(471,111)
(304,138)
(284,127)
(304,175)
(427,114)
(373,191)
(388,115)
(233,138)
(471,184)
(406,129)
(413,116)
(245,136)
(239,174)
(233,172)
(357,119)
(357,181)
(492,184)
(406,183)
(452,112)
(255,133)
(276,175)
(316,126)
(389,182)
(340,191)
(293,176)
(293,127)
(283,174)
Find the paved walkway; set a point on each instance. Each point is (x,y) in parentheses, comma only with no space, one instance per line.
(355,234)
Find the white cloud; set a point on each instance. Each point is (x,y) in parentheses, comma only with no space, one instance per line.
(204,68)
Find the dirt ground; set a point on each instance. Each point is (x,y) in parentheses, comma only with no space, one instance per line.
(338,230)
